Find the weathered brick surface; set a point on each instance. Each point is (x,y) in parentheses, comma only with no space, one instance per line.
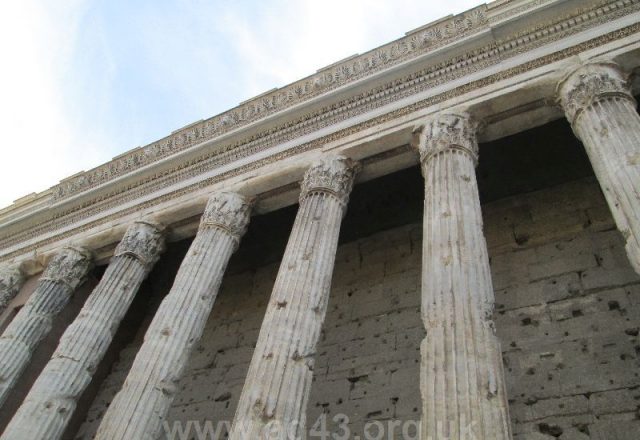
(567,314)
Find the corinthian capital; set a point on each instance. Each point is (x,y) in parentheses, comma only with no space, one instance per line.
(11,278)
(589,84)
(332,174)
(228,211)
(69,266)
(143,241)
(448,132)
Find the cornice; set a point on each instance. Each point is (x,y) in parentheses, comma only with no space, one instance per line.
(512,8)
(415,44)
(325,80)
(462,64)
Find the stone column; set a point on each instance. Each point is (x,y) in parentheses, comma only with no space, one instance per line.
(48,407)
(66,271)
(277,387)
(461,376)
(138,410)
(598,102)
(11,280)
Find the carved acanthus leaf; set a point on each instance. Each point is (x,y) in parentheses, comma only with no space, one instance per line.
(229,211)
(144,241)
(11,279)
(448,132)
(332,174)
(69,266)
(589,84)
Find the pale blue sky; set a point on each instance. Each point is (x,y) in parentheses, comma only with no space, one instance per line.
(85,80)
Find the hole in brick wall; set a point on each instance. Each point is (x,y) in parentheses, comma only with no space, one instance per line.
(355,379)
(223,397)
(614,305)
(599,259)
(552,430)
(583,428)
(521,239)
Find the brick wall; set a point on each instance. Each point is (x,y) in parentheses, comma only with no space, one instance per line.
(567,314)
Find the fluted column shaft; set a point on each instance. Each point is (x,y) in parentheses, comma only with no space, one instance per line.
(11,280)
(66,271)
(48,407)
(278,384)
(598,102)
(461,376)
(138,410)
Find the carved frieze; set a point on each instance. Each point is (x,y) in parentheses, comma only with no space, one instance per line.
(384,57)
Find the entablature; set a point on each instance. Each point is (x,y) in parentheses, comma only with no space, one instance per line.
(500,61)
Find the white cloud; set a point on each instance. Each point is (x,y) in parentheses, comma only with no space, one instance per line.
(39,140)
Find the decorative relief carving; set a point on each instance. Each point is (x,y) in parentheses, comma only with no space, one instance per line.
(10,276)
(69,266)
(386,56)
(589,84)
(333,174)
(11,280)
(144,241)
(447,132)
(435,75)
(229,211)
